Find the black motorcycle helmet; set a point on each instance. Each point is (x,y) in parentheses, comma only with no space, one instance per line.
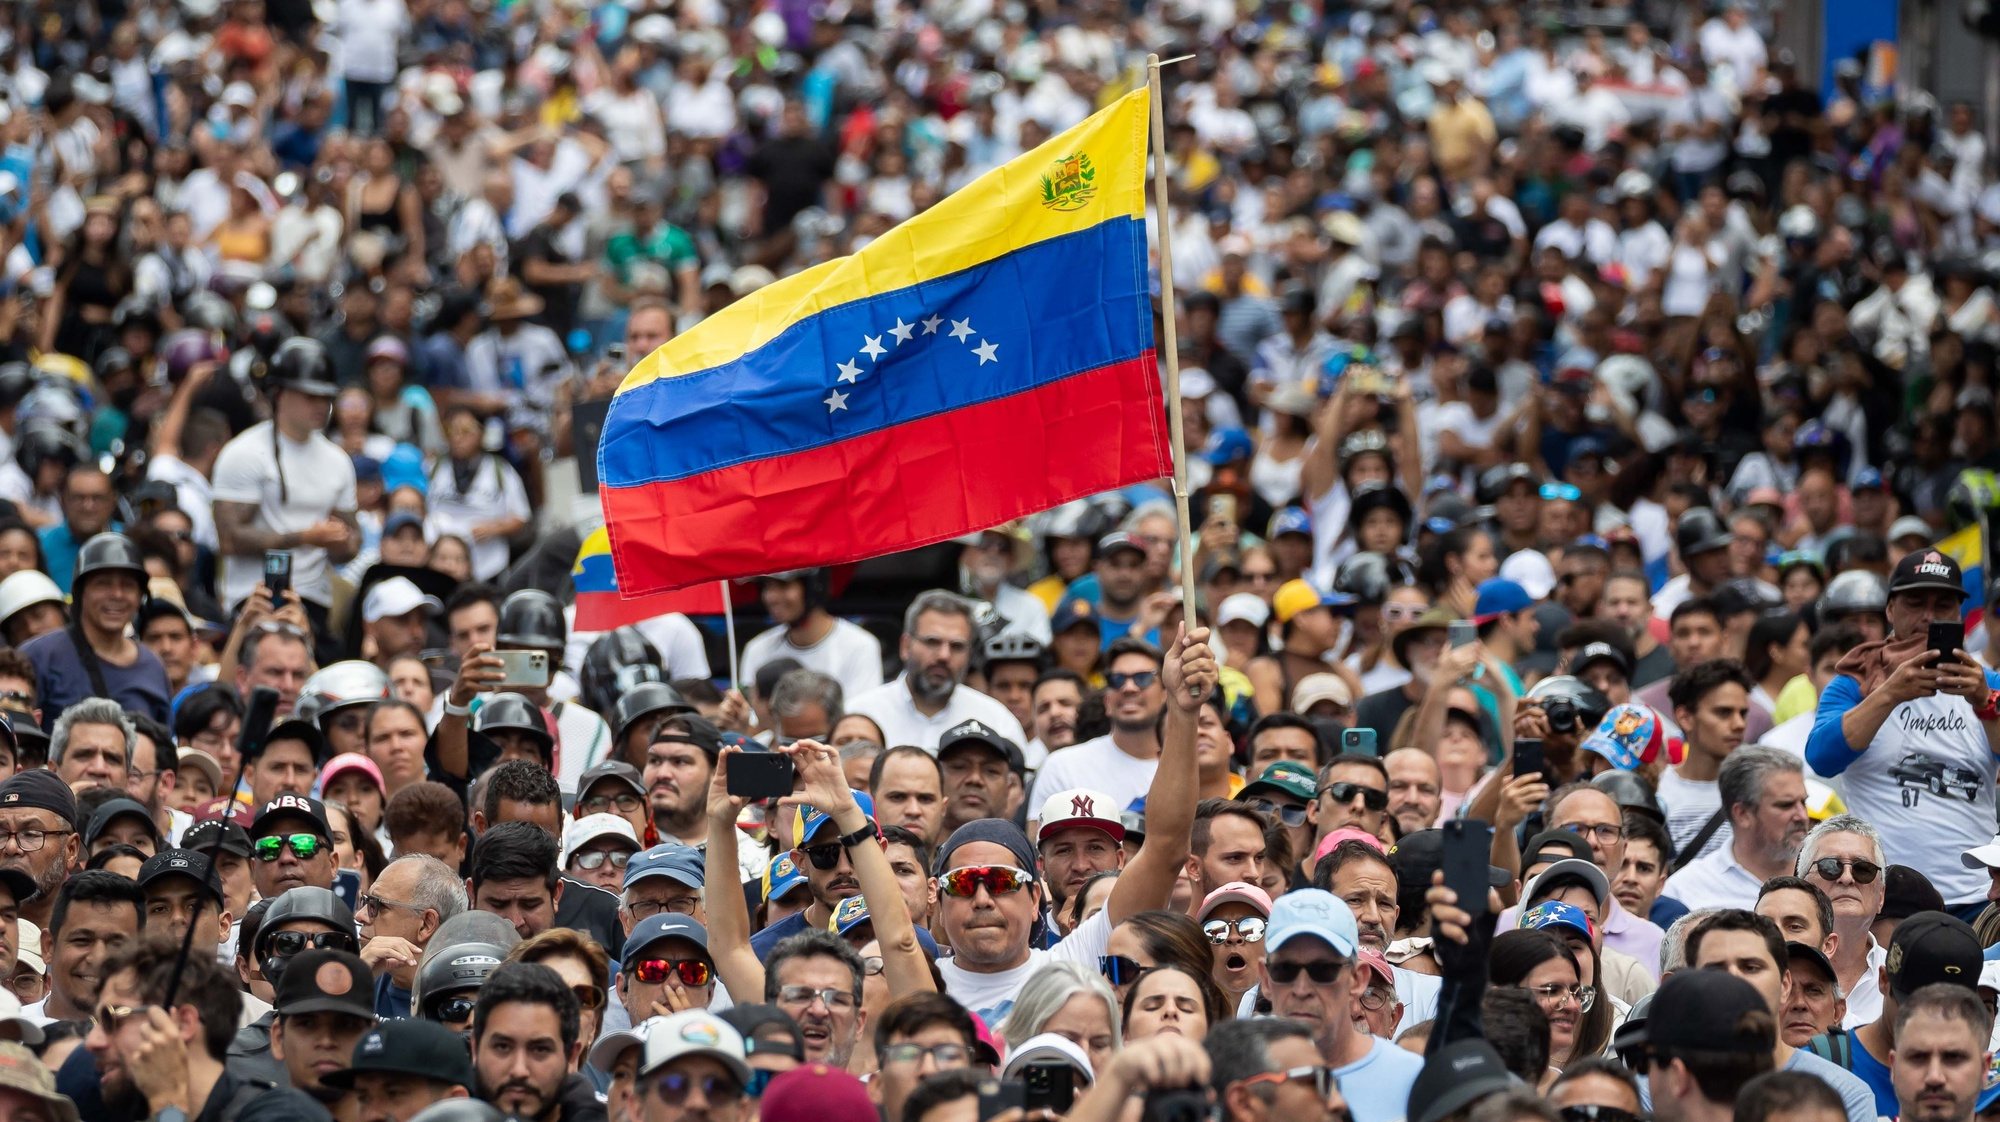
(1701,531)
(45,442)
(812,581)
(306,903)
(1368,577)
(649,699)
(451,972)
(531,619)
(109,552)
(16,379)
(1630,793)
(617,662)
(302,364)
(510,712)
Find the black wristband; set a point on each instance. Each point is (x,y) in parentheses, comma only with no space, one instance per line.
(865,833)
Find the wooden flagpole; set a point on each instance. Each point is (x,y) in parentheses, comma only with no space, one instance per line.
(729,631)
(1170,358)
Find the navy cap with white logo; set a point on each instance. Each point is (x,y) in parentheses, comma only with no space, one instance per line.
(1927,569)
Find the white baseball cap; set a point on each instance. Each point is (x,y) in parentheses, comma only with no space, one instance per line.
(396,596)
(30,954)
(1315,688)
(1080,806)
(1243,607)
(591,827)
(1048,1046)
(696,1032)
(1982,857)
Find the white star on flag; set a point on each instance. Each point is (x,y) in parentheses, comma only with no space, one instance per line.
(849,371)
(931,325)
(961,329)
(835,401)
(874,348)
(902,331)
(987,352)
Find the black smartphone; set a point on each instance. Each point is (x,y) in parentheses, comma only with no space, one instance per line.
(760,775)
(1468,852)
(998,1096)
(1528,758)
(1051,1086)
(347,886)
(1947,637)
(1360,742)
(1462,633)
(278,574)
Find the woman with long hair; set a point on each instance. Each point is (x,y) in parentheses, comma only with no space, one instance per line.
(1775,653)
(1454,566)
(1545,966)
(1156,938)
(92,278)
(1171,1000)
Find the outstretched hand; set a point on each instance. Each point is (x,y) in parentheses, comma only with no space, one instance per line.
(1189,671)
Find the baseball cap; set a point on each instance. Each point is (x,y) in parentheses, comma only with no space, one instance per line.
(21,1071)
(1418,854)
(39,789)
(1295,597)
(1497,597)
(179,863)
(975,732)
(201,761)
(30,951)
(812,818)
(1927,569)
(1628,736)
(396,596)
(1601,652)
(1044,1047)
(694,1032)
(1315,688)
(301,731)
(606,1051)
(1562,840)
(781,875)
(407,1046)
(994,831)
(610,769)
(1982,857)
(340,765)
(1243,607)
(1119,539)
(216,834)
(1235,892)
(326,981)
(1290,520)
(591,827)
(113,809)
(1709,1011)
(18,883)
(1332,841)
(1554,913)
(1905,892)
(1454,1077)
(388,346)
(666,925)
(1910,526)
(816,1093)
(1315,912)
(400,521)
(1079,806)
(1076,611)
(295,806)
(1571,867)
(1932,947)
(1796,952)
(1285,777)
(672,860)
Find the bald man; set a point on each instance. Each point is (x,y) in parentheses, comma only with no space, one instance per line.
(1415,789)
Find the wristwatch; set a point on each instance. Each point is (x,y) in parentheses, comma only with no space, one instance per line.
(865,833)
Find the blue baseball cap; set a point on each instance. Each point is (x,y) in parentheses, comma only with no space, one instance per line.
(1870,479)
(1555,913)
(666,925)
(781,876)
(1291,520)
(1625,736)
(1072,612)
(811,818)
(1315,912)
(1497,597)
(1226,446)
(668,859)
(853,912)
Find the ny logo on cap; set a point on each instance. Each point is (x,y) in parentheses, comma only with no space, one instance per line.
(1083,806)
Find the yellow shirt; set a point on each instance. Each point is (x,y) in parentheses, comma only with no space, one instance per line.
(1797,697)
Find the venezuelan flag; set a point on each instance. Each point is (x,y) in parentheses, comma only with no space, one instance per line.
(990,357)
(1968,548)
(599,607)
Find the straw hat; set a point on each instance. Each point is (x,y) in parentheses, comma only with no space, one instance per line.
(507,300)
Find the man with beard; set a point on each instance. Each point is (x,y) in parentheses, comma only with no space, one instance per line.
(1122,762)
(97,912)
(815,979)
(156,1061)
(1628,602)
(1416,789)
(1080,836)
(1764,795)
(96,655)
(1360,876)
(1225,846)
(679,762)
(325,1003)
(38,836)
(524,1039)
(906,785)
(985,560)
(982,773)
(1057,695)
(1941,1055)
(814,637)
(828,881)
(926,699)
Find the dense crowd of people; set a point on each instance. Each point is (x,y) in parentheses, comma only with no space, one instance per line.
(1586,712)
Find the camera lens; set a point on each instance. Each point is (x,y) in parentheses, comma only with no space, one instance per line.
(1562,714)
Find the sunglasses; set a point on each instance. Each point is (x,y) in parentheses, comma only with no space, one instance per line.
(946,1055)
(596,858)
(1322,973)
(997,880)
(305,847)
(113,1017)
(1829,869)
(453,1010)
(1321,1077)
(591,998)
(1293,816)
(1345,792)
(823,857)
(673,1087)
(285,944)
(1144,679)
(1251,928)
(690,971)
(1118,970)
(1594,1113)
(1562,492)
(759,1079)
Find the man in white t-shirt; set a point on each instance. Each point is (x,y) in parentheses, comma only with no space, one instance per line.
(930,696)
(1121,763)
(991,902)
(813,636)
(282,485)
(1711,703)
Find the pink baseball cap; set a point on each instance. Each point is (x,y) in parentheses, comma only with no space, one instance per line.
(350,761)
(989,1046)
(1372,959)
(1344,834)
(1235,892)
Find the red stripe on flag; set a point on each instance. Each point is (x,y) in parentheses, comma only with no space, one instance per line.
(898,488)
(603,611)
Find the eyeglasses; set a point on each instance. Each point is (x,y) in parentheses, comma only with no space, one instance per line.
(1251,928)
(1293,816)
(369,902)
(1604,833)
(944,1055)
(279,627)
(591,998)
(1401,613)
(1345,792)
(1321,1077)
(997,880)
(871,965)
(113,1017)
(1556,994)
(627,803)
(595,859)
(1322,972)
(1118,970)
(1829,869)
(690,971)
(457,1008)
(305,847)
(29,840)
(824,857)
(804,995)
(1375,999)
(680,905)
(1565,492)
(1142,680)
(672,1088)
(285,944)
